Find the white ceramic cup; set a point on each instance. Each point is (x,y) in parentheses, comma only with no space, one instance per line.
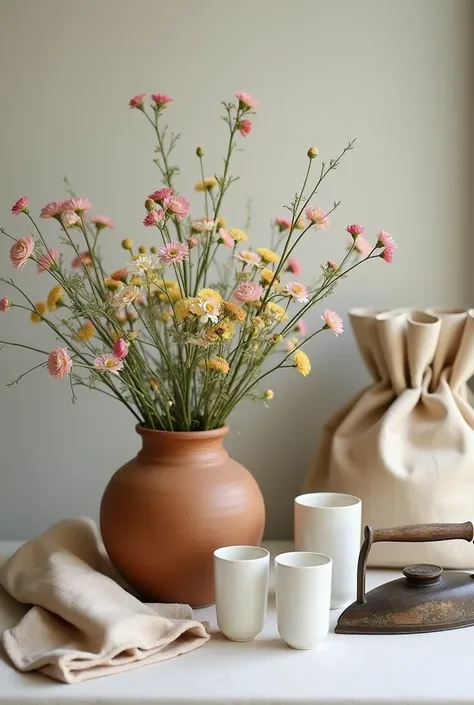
(303,596)
(241,589)
(330,523)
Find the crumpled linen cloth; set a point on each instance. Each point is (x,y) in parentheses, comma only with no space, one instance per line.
(82,623)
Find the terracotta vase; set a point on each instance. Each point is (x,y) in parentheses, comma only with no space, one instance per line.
(165,512)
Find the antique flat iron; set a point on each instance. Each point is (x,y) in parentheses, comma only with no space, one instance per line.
(425,600)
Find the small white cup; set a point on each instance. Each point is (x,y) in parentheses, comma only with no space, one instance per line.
(303,595)
(330,523)
(241,589)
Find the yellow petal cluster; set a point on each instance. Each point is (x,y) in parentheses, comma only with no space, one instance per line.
(233,311)
(183,308)
(238,235)
(219,364)
(302,363)
(55,298)
(266,276)
(86,331)
(206,185)
(268,255)
(204,294)
(40,310)
(275,311)
(221,331)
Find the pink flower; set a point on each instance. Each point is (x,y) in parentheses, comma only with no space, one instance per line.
(332,264)
(297,291)
(246,101)
(388,254)
(161,194)
(84,260)
(173,252)
(21,206)
(59,363)
(225,238)
(5,304)
(108,363)
(161,99)
(21,251)
(102,221)
(317,216)
(153,217)
(46,261)
(294,266)
(80,205)
(245,127)
(137,101)
(248,291)
(355,230)
(69,218)
(121,348)
(333,321)
(362,246)
(283,224)
(384,239)
(178,205)
(53,209)
(192,242)
(301,328)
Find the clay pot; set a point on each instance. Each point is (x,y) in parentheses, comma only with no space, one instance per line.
(165,512)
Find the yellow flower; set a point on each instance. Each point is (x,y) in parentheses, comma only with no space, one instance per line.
(238,235)
(136,280)
(268,394)
(233,311)
(127,244)
(40,310)
(208,294)
(302,363)
(221,222)
(218,364)
(113,284)
(221,331)
(171,295)
(207,184)
(268,255)
(183,308)
(275,311)
(165,317)
(267,275)
(86,331)
(300,224)
(55,298)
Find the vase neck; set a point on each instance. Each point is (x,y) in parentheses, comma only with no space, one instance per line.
(201,447)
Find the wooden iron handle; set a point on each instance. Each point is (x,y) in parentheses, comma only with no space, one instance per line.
(411,533)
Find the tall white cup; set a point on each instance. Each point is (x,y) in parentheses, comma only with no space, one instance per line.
(303,595)
(241,589)
(330,523)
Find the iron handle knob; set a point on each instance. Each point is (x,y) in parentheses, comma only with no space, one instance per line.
(411,533)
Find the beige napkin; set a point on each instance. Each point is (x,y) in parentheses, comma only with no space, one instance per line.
(82,624)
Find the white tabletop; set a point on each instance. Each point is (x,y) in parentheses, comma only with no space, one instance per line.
(422,668)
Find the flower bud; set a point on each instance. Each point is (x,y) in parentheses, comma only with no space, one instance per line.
(192,242)
(131,316)
(312,152)
(142,249)
(268,394)
(300,224)
(150,205)
(133,335)
(127,244)
(153,250)
(199,152)
(277,338)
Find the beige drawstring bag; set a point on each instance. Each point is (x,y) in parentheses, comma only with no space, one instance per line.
(405,444)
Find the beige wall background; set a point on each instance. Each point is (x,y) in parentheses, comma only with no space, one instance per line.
(396,75)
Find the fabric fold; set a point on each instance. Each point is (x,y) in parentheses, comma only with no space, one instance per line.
(405,444)
(82,624)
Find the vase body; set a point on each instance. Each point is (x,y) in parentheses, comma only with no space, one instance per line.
(165,512)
